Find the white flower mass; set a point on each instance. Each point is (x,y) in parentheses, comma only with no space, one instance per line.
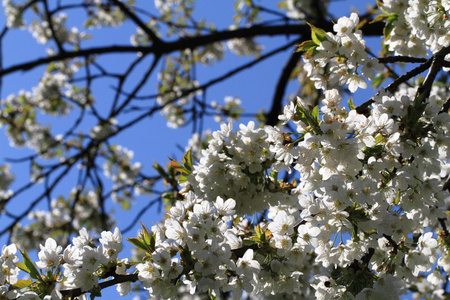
(361,220)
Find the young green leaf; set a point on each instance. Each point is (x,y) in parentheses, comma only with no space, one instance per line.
(318,35)
(23,267)
(22,283)
(305,46)
(33,271)
(377,81)
(187,161)
(146,241)
(137,242)
(177,167)
(315,113)
(311,52)
(161,171)
(350,103)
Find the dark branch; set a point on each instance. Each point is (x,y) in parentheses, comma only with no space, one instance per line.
(272,115)
(363,108)
(138,21)
(117,279)
(437,62)
(396,59)
(184,43)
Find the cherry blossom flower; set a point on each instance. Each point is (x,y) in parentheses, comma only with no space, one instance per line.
(49,256)
(246,265)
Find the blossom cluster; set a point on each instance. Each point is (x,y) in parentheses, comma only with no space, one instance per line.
(233,166)
(102,14)
(299,9)
(21,109)
(42,31)
(13,14)
(83,263)
(231,109)
(124,174)
(342,58)
(245,46)
(6,178)
(422,23)
(376,199)
(55,222)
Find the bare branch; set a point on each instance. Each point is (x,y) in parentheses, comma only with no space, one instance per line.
(117,279)
(272,115)
(138,21)
(362,109)
(436,65)
(180,44)
(396,59)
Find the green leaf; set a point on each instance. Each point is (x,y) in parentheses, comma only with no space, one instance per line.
(23,267)
(88,23)
(380,18)
(355,233)
(161,171)
(282,5)
(397,198)
(385,17)
(176,165)
(248,242)
(187,161)
(392,17)
(21,283)
(378,81)
(137,242)
(33,271)
(389,25)
(315,113)
(183,179)
(310,118)
(125,205)
(311,52)
(305,46)
(51,67)
(146,241)
(350,103)
(387,30)
(145,230)
(318,35)
(259,232)
(274,176)
(379,138)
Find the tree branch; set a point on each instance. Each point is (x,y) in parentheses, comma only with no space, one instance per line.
(184,43)
(272,115)
(117,279)
(138,21)
(436,65)
(363,108)
(396,59)
(48,15)
(138,87)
